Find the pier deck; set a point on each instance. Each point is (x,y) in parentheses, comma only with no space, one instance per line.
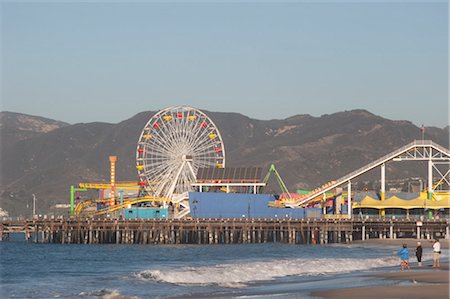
(221,231)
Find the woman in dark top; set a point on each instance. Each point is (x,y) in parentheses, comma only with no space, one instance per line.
(419,254)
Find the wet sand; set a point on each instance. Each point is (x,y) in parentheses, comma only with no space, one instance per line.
(420,282)
(411,243)
(424,283)
(428,291)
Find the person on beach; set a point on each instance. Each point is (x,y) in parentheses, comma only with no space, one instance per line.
(419,254)
(436,254)
(404,257)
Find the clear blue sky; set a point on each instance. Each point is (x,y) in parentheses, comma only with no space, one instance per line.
(83,62)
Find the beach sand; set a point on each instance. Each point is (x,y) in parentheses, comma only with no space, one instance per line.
(421,282)
(435,291)
(411,243)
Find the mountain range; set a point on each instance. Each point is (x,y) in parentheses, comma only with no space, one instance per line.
(44,157)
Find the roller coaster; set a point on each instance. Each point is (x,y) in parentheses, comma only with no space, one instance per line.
(419,150)
(82,208)
(103,206)
(178,141)
(173,145)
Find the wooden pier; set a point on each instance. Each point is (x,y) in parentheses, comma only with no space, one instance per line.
(220,231)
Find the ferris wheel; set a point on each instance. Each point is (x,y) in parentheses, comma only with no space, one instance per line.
(173,145)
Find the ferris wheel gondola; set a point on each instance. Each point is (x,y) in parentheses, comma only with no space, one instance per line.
(173,145)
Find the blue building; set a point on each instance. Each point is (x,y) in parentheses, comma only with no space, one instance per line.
(242,205)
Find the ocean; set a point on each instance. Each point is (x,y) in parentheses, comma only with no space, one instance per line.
(271,270)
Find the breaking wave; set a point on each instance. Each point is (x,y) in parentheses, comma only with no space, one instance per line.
(239,275)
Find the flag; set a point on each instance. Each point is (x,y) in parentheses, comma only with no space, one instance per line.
(422,129)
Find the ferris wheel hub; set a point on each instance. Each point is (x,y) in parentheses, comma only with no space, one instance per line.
(187,158)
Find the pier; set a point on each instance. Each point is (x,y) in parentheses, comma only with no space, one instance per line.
(221,231)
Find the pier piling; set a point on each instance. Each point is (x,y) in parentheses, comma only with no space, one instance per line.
(219,231)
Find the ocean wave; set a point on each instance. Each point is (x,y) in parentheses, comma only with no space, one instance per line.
(239,275)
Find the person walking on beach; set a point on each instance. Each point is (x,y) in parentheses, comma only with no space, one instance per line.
(404,257)
(419,254)
(436,254)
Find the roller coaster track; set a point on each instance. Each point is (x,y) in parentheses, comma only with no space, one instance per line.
(416,150)
(100,185)
(85,204)
(131,202)
(79,209)
(132,185)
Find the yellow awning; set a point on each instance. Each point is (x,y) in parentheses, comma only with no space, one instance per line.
(439,201)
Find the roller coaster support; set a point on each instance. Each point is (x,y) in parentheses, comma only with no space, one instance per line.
(383,186)
(349,199)
(430,179)
(72,197)
(121,202)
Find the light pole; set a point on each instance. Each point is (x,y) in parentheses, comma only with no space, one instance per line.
(34,205)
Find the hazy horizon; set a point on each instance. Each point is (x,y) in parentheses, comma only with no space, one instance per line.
(204,110)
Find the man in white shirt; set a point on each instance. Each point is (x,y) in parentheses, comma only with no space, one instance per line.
(436,254)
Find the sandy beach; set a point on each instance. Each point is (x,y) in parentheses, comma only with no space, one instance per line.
(420,282)
(411,243)
(437,291)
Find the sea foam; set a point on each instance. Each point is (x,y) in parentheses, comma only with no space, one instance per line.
(237,275)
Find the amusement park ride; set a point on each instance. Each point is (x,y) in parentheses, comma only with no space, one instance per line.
(178,144)
(173,145)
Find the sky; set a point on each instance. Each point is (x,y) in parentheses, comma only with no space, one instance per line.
(107,61)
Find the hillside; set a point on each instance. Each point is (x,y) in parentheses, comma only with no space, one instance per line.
(44,157)
(17,126)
